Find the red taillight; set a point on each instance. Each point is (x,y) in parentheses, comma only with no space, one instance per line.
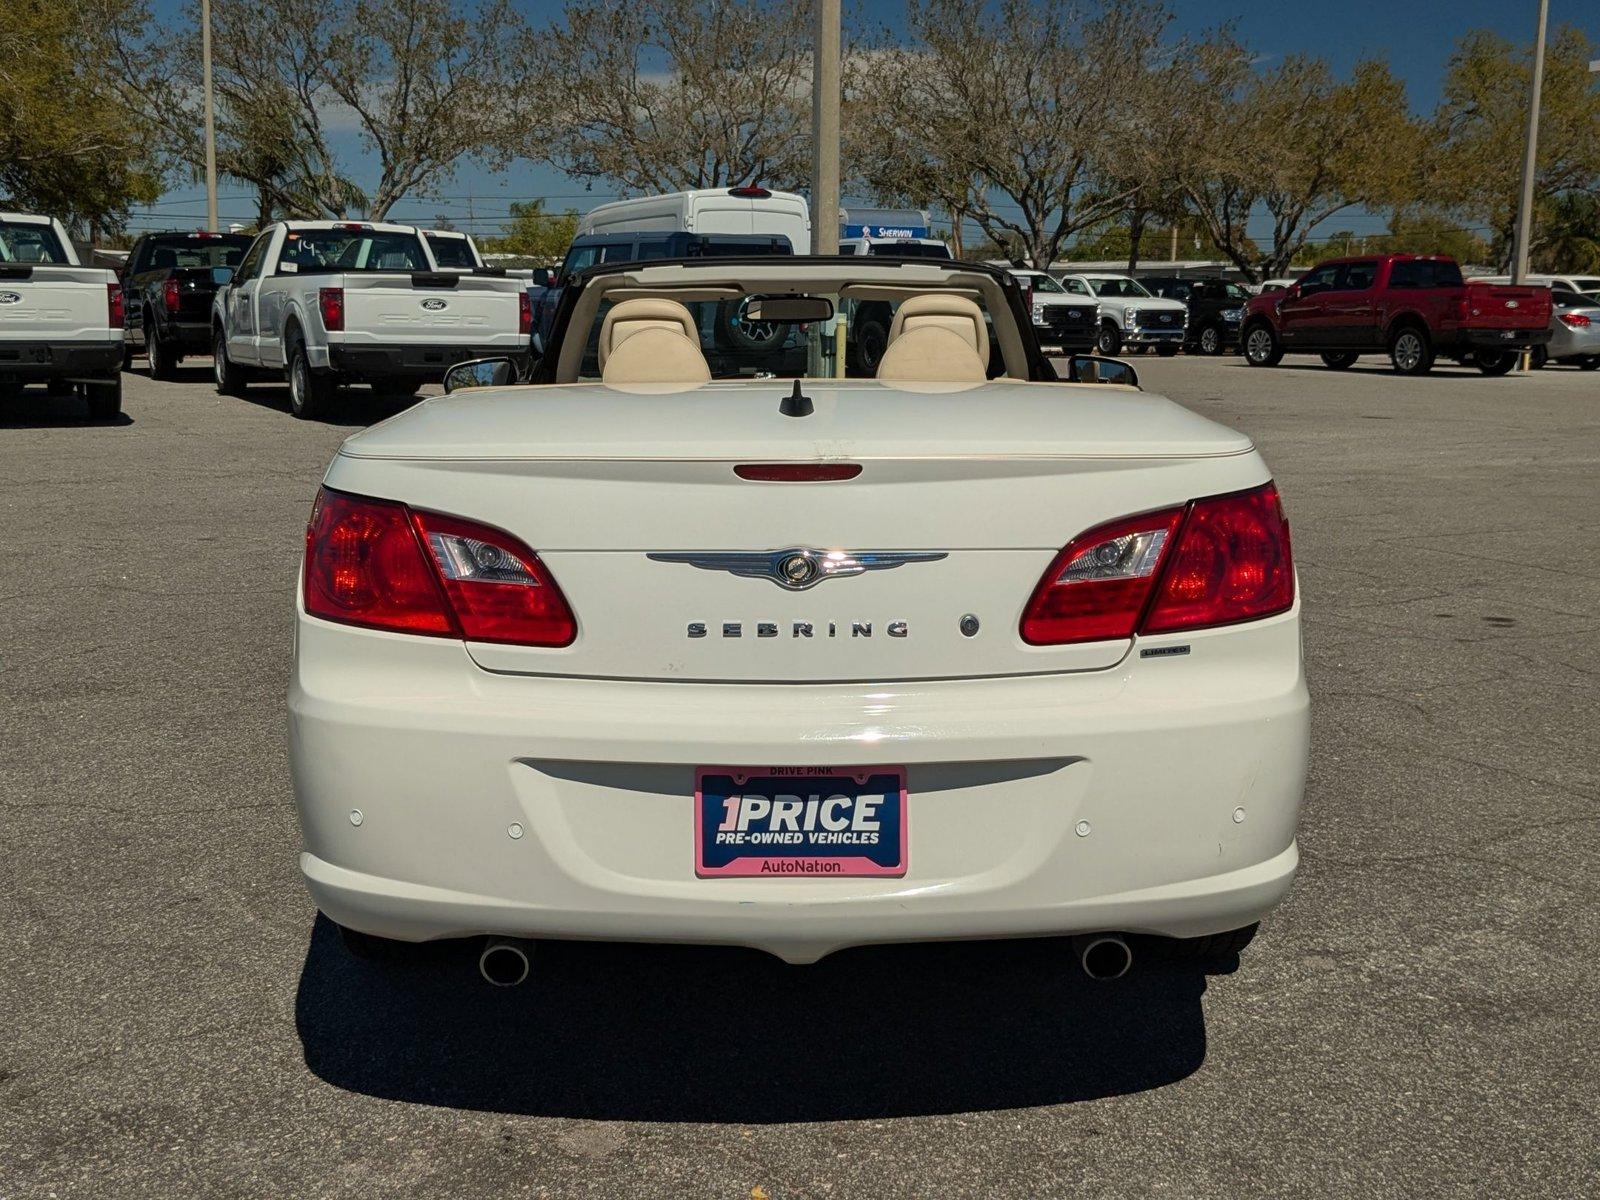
(169,295)
(331,302)
(351,227)
(797,472)
(1220,560)
(524,313)
(376,564)
(114,311)
(1232,563)
(499,589)
(365,566)
(1097,587)
(1575,320)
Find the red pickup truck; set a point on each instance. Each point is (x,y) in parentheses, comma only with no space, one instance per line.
(1412,307)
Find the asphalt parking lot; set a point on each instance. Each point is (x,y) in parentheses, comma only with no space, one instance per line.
(1418,1019)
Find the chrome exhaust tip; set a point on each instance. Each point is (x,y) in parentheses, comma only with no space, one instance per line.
(1103,955)
(503,962)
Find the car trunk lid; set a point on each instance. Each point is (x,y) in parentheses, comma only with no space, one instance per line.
(634,501)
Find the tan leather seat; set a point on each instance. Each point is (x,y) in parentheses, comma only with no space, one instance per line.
(943,310)
(668,349)
(931,355)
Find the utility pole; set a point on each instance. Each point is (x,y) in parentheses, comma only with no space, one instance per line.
(1174,255)
(211,124)
(825,131)
(1530,161)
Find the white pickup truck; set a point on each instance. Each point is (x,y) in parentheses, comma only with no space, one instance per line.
(326,303)
(60,322)
(1131,319)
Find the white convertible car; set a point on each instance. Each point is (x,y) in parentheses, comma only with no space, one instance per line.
(699,639)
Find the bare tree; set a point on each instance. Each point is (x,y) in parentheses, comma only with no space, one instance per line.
(664,95)
(1293,144)
(1025,100)
(424,83)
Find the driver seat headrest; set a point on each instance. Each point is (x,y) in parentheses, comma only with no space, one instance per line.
(651,340)
(944,310)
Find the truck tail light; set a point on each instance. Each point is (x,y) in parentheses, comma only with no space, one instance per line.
(379,565)
(169,295)
(1217,561)
(331,302)
(1575,320)
(114,309)
(524,313)
(750,192)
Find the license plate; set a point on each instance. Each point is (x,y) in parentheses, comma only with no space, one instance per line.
(799,822)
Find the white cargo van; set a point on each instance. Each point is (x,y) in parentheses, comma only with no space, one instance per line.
(707,210)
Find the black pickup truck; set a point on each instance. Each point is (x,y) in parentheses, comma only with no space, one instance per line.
(168,283)
(1216,308)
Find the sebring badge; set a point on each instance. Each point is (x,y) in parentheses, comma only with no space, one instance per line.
(798,568)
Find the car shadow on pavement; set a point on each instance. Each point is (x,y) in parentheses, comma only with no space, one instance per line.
(36,410)
(355,408)
(676,1033)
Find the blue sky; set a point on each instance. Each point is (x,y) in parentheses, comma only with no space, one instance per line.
(1416,38)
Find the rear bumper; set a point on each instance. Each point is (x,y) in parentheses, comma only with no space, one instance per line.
(1159,796)
(1503,339)
(1140,336)
(423,363)
(41,360)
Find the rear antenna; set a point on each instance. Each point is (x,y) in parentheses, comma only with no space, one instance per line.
(797,405)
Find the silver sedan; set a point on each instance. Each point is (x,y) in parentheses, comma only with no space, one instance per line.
(1574,331)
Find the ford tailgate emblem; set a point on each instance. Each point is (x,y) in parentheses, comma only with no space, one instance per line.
(434,305)
(797,568)
(10,298)
(1512,304)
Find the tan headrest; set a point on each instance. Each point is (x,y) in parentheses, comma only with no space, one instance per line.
(630,316)
(655,354)
(932,354)
(943,310)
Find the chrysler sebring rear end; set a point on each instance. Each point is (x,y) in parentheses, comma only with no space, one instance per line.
(999,657)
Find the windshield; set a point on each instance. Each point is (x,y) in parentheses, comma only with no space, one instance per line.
(186,250)
(1044,283)
(736,347)
(1118,287)
(910,249)
(310,250)
(1587,284)
(25,242)
(451,251)
(1235,292)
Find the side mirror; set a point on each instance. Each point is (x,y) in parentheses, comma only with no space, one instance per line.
(480,373)
(1088,368)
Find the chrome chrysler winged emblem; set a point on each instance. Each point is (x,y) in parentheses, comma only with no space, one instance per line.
(797,568)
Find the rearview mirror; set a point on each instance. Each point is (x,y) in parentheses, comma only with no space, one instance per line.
(1087,368)
(480,373)
(789,308)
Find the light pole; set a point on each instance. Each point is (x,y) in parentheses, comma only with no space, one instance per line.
(211,125)
(825,131)
(1530,161)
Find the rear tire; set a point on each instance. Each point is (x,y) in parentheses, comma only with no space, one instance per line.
(1340,360)
(1537,357)
(1261,346)
(1410,352)
(311,395)
(162,362)
(230,380)
(872,339)
(1589,363)
(105,399)
(1494,363)
(1214,946)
